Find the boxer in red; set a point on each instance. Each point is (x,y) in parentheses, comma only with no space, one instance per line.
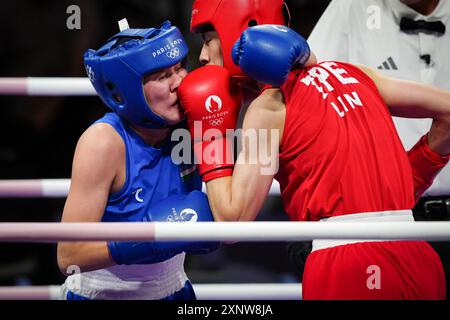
(333,148)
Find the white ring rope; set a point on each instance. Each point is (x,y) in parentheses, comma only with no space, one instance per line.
(30,293)
(41,188)
(245,291)
(59,188)
(223,231)
(32,86)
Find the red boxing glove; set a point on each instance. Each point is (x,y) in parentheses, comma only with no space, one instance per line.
(425,165)
(211,101)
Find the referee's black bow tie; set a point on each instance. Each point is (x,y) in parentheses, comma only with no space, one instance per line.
(407,24)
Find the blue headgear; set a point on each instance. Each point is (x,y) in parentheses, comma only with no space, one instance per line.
(116,69)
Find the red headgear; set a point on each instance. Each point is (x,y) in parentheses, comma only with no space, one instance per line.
(231,17)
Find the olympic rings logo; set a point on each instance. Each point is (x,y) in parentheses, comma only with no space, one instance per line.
(90,73)
(186,215)
(173,53)
(216,122)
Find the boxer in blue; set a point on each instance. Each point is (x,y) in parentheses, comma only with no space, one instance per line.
(123,171)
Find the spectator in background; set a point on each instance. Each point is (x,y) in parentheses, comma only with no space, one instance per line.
(405,39)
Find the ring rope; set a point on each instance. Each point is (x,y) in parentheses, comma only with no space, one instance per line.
(222,231)
(47,86)
(41,188)
(245,291)
(59,188)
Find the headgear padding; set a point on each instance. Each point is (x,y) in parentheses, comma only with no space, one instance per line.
(116,69)
(231,17)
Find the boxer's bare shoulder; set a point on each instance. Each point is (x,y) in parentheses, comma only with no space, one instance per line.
(270,99)
(268,111)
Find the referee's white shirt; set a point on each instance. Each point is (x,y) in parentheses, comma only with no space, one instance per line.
(368,32)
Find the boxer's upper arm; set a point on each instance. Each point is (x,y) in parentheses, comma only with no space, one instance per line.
(410,99)
(94,169)
(265,117)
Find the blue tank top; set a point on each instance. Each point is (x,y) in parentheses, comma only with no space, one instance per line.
(151,175)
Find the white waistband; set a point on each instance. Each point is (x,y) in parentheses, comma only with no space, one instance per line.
(397,215)
(137,282)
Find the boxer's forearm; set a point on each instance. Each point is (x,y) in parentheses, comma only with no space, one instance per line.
(439,136)
(220,200)
(240,197)
(83,256)
(425,165)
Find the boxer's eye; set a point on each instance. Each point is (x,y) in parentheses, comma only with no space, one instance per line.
(206,39)
(179,68)
(162,76)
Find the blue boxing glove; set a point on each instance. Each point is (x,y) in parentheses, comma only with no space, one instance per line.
(268,52)
(189,208)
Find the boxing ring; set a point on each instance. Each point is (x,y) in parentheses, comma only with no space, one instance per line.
(216,231)
(57,188)
(50,232)
(222,231)
(212,291)
(42,86)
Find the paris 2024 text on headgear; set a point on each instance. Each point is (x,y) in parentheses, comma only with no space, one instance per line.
(117,69)
(231,17)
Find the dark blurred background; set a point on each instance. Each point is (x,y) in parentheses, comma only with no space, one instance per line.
(39,134)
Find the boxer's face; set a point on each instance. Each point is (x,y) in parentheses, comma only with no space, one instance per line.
(212,49)
(160,90)
(424,7)
(412,2)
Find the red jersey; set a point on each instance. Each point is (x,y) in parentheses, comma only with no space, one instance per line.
(340,152)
